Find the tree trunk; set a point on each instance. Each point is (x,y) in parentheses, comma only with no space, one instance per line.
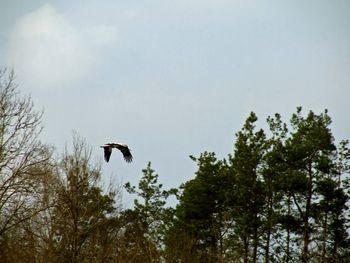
(246,249)
(306,241)
(221,252)
(268,234)
(288,231)
(267,248)
(324,238)
(255,242)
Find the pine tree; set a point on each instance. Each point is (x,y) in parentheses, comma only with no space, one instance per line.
(201,213)
(248,193)
(149,218)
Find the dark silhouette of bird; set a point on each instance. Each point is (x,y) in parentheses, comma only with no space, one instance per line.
(121,147)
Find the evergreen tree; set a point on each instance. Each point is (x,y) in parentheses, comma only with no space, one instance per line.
(248,194)
(148,219)
(201,214)
(310,184)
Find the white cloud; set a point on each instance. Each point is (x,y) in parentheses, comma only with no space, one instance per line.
(100,35)
(46,50)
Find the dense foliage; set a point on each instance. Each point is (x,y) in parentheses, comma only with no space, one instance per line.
(282,195)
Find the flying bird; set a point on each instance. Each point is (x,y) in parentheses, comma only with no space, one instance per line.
(121,147)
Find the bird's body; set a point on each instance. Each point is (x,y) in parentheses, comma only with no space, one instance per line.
(121,147)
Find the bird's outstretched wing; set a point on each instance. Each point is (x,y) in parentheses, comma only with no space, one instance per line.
(125,151)
(108,151)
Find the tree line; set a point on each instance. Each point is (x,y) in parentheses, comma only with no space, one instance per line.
(282,195)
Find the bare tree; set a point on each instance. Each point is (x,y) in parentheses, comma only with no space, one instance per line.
(82,211)
(21,155)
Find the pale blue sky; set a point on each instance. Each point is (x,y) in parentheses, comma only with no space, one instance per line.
(174,78)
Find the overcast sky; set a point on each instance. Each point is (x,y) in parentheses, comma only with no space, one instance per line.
(178,77)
